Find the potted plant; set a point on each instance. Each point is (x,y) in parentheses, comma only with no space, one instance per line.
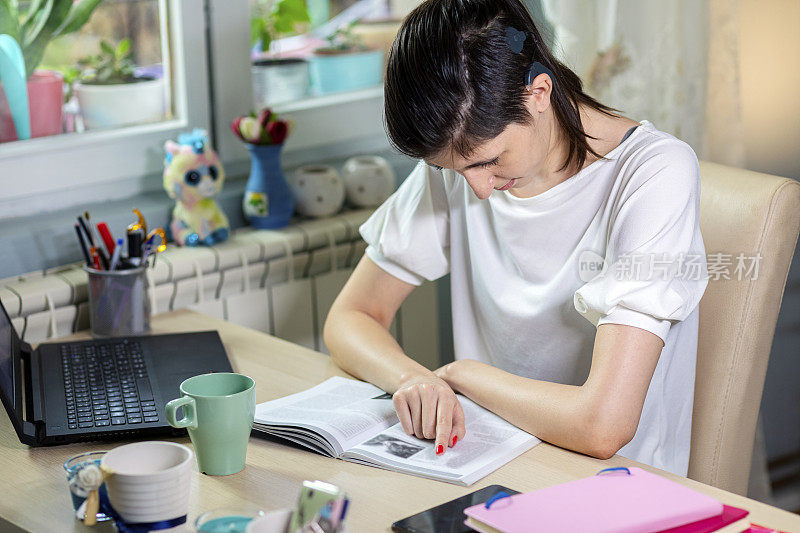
(109,92)
(34,30)
(268,202)
(346,63)
(278,79)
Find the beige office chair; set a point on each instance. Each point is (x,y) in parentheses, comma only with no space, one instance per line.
(740,211)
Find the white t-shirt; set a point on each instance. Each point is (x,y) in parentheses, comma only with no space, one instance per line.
(520,270)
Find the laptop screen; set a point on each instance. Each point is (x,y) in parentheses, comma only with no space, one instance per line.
(6,359)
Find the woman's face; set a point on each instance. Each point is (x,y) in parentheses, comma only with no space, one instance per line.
(514,158)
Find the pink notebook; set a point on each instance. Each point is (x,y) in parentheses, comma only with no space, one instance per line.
(612,502)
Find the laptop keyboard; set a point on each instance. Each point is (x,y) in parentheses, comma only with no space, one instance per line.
(106,384)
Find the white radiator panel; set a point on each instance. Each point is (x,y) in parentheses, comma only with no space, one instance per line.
(326,289)
(186,290)
(233,282)
(215,308)
(420,326)
(19,325)
(250,309)
(293,312)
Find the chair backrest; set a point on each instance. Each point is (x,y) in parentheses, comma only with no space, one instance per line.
(757,215)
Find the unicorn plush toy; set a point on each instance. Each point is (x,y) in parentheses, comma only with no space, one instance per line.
(193,175)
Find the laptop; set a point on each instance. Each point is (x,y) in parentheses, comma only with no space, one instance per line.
(101,388)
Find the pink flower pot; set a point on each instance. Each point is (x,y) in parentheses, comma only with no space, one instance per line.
(45,96)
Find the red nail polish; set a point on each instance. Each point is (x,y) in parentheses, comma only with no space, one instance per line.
(439,449)
(455,439)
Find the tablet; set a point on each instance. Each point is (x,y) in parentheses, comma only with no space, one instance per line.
(448,517)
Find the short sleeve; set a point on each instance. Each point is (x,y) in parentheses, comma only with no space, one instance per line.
(408,236)
(654,270)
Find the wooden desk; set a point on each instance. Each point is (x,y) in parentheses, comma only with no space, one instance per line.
(35,495)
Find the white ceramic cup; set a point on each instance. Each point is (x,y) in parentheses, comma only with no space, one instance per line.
(149,481)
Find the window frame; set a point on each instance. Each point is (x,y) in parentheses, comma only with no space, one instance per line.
(326,127)
(59,171)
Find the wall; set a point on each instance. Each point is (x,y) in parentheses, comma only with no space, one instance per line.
(770,78)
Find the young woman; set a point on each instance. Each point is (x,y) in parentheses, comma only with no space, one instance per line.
(567,231)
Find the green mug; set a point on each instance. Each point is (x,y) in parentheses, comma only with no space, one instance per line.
(218,411)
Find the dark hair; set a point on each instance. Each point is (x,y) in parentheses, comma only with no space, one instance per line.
(453,81)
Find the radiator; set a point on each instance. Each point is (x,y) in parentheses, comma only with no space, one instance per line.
(281,282)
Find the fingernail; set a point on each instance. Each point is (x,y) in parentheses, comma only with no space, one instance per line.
(439,449)
(455,439)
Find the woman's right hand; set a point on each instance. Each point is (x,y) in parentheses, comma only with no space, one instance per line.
(428,408)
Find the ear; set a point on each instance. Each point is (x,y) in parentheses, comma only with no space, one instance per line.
(172,147)
(538,93)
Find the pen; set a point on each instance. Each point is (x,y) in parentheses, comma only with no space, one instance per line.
(95,258)
(89,238)
(87,258)
(115,257)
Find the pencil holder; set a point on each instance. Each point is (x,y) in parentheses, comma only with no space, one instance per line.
(118,302)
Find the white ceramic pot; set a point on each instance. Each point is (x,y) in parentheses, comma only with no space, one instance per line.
(318,189)
(150,481)
(107,106)
(368,180)
(276,81)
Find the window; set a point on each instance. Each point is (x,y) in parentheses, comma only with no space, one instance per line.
(102,160)
(203,53)
(109,73)
(310,48)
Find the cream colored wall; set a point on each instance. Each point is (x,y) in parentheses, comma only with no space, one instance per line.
(770,85)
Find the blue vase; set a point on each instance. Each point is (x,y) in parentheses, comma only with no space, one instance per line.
(268,202)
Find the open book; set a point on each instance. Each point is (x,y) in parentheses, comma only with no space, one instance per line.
(356,421)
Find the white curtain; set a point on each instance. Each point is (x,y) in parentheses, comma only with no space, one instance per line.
(672,62)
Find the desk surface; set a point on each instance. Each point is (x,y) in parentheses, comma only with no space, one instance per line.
(35,495)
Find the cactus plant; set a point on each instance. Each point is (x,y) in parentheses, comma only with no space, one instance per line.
(43,21)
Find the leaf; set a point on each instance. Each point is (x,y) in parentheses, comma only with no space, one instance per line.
(283,25)
(296,9)
(9,19)
(107,48)
(123,48)
(78,16)
(36,20)
(266,40)
(257,27)
(34,49)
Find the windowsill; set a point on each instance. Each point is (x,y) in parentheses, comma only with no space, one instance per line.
(71,141)
(330,100)
(46,240)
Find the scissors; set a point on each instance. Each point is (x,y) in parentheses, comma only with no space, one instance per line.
(148,246)
(140,224)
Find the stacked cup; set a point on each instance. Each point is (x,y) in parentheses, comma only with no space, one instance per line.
(149,481)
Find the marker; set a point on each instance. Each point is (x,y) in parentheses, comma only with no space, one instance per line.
(135,246)
(108,239)
(115,257)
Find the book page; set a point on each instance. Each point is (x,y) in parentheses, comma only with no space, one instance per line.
(489,443)
(341,409)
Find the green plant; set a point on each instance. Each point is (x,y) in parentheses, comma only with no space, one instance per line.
(279,17)
(43,21)
(110,66)
(343,40)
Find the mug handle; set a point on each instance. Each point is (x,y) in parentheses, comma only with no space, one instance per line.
(189,419)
